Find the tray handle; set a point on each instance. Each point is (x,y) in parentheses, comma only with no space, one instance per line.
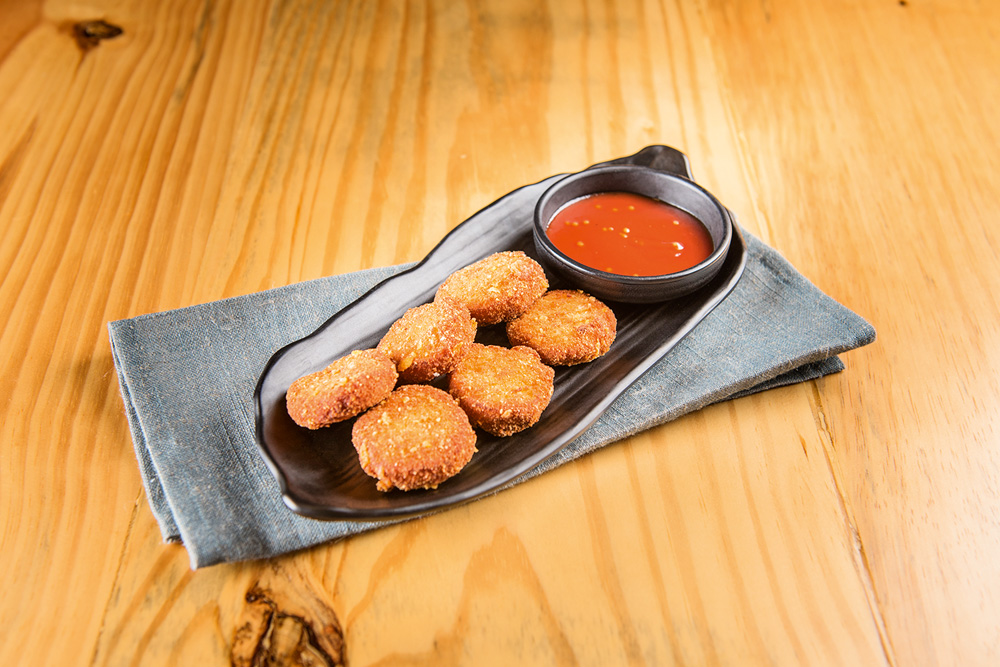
(661,158)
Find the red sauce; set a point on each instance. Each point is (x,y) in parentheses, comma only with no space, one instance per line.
(629,234)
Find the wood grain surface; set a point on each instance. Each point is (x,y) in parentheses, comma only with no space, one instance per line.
(155,155)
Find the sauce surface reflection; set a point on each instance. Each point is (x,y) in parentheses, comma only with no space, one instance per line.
(629,234)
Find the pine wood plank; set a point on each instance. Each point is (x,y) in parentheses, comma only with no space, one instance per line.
(218,148)
(891,179)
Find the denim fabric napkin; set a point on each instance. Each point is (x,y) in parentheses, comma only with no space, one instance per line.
(187,378)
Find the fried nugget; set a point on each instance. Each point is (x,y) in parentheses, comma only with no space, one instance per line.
(425,341)
(415,439)
(497,288)
(345,388)
(503,390)
(565,327)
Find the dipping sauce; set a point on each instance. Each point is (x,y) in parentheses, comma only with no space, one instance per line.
(629,234)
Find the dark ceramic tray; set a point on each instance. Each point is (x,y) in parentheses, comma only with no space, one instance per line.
(318,471)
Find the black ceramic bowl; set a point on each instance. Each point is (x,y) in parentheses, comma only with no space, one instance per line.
(668,188)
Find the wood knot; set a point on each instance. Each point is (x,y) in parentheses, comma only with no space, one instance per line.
(288,628)
(89,34)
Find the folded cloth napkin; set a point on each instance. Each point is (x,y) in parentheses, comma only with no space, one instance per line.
(187,378)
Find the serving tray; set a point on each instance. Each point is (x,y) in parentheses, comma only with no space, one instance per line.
(318,471)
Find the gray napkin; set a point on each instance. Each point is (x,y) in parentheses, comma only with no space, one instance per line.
(187,379)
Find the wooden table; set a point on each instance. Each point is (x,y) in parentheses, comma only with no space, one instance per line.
(159,154)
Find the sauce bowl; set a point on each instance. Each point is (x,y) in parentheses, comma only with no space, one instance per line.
(672,189)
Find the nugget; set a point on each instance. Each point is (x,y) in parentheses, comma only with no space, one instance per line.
(415,439)
(345,388)
(425,341)
(565,327)
(497,288)
(503,390)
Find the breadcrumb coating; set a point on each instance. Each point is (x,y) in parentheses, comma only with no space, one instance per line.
(565,327)
(415,439)
(426,341)
(345,388)
(503,390)
(497,288)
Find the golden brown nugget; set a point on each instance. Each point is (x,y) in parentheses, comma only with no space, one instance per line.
(425,342)
(565,327)
(415,439)
(345,388)
(497,288)
(503,390)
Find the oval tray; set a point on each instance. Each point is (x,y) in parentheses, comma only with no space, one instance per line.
(318,471)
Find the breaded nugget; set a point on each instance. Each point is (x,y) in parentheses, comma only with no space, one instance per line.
(497,288)
(565,327)
(415,439)
(503,390)
(345,388)
(426,340)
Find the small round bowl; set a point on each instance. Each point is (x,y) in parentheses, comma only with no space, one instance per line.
(668,188)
